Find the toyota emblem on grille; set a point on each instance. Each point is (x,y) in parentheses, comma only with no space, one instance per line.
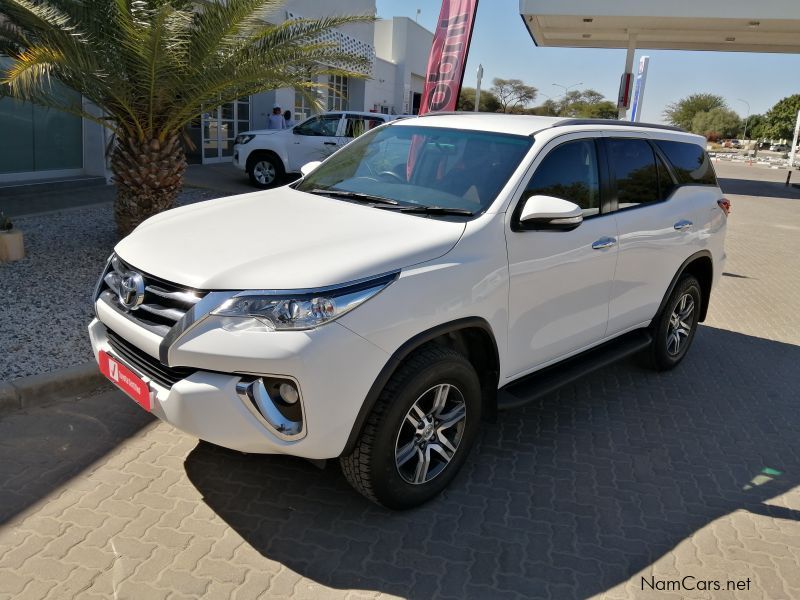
(131,290)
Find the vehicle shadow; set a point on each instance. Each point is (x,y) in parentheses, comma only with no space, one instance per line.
(755,187)
(565,498)
(43,447)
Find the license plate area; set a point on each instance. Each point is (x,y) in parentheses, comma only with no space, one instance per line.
(125,379)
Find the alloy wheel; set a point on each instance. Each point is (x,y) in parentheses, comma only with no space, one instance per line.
(264,172)
(430,434)
(680,325)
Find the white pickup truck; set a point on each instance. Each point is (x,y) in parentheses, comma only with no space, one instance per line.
(268,154)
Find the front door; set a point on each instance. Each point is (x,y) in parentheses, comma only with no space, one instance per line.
(560,281)
(220,127)
(314,139)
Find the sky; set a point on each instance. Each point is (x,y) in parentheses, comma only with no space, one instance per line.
(502,44)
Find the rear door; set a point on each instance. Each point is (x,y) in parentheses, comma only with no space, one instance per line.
(657,224)
(356,125)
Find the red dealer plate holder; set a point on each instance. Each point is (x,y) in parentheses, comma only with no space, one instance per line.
(125,379)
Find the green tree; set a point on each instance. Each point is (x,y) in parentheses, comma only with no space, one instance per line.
(682,112)
(716,123)
(152,66)
(756,127)
(488,102)
(781,118)
(513,94)
(586,104)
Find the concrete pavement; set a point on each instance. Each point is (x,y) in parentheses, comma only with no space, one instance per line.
(615,487)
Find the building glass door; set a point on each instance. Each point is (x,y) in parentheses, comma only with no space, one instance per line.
(220,126)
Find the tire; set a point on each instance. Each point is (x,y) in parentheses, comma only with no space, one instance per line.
(674,328)
(265,170)
(374,468)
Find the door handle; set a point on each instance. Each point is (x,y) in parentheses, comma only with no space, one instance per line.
(683,224)
(330,143)
(604,242)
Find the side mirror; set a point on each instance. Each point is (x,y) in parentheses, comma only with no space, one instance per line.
(550,213)
(309,167)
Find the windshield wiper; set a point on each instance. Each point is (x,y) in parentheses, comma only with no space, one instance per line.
(435,210)
(361,197)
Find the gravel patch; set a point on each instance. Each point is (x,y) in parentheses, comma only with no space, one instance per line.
(45,299)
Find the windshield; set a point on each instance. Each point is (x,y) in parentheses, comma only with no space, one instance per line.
(427,166)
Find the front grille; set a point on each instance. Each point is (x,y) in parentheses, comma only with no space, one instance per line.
(146,364)
(164,303)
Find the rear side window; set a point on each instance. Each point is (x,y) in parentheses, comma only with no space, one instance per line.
(634,166)
(690,162)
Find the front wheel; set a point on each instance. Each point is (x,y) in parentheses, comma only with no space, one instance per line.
(265,170)
(420,431)
(674,329)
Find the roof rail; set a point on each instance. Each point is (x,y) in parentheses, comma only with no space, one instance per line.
(615,122)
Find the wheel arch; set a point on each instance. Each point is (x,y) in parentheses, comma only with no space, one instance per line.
(472,336)
(701,266)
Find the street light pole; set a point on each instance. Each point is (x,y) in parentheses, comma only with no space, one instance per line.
(478,88)
(567,88)
(746,119)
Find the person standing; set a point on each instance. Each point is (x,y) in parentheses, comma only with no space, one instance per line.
(276,120)
(287,117)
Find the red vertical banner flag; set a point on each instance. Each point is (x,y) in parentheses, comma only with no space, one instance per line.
(448,55)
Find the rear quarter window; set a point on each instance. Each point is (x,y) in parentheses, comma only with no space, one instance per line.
(690,162)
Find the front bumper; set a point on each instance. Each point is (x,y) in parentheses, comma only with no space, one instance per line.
(333,367)
(240,157)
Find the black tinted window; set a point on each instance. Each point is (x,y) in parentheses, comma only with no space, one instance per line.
(634,166)
(690,161)
(665,182)
(569,172)
(319,126)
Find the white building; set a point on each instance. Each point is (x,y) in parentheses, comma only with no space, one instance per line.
(48,144)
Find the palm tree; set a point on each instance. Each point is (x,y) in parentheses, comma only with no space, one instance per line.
(150,65)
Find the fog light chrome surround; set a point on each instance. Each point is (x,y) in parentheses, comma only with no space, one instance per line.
(270,409)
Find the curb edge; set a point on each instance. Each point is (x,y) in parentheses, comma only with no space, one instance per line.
(34,390)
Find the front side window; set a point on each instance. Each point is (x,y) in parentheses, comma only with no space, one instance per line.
(569,172)
(430,166)
(323,125)
(634,166)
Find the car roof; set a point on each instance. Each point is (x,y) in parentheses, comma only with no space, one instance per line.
(361,113)
(532,124)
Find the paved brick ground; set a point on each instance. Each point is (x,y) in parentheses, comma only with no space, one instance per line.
(625,475)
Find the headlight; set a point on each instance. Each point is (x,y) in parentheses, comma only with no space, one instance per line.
(243,138)
(302,310)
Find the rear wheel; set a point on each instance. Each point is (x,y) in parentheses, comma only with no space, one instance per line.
(265,170)
(674,329)
(420,431)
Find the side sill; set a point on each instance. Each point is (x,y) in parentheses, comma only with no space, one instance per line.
(548,380)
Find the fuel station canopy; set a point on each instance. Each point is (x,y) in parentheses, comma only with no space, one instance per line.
(719,25)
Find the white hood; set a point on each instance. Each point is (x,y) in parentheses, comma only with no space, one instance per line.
(282,239)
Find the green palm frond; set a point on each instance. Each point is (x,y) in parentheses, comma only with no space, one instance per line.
(151,65)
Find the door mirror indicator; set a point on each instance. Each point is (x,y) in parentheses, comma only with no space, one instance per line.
(549,213)
(309,167)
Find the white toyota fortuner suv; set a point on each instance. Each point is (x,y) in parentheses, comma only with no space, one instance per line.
(267,155)
(431,272)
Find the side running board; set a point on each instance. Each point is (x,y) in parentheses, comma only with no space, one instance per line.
(541,383)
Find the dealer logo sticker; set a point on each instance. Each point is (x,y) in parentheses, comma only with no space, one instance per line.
(113,370)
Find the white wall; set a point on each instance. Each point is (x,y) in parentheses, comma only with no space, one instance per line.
(380,90)
(406,44)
